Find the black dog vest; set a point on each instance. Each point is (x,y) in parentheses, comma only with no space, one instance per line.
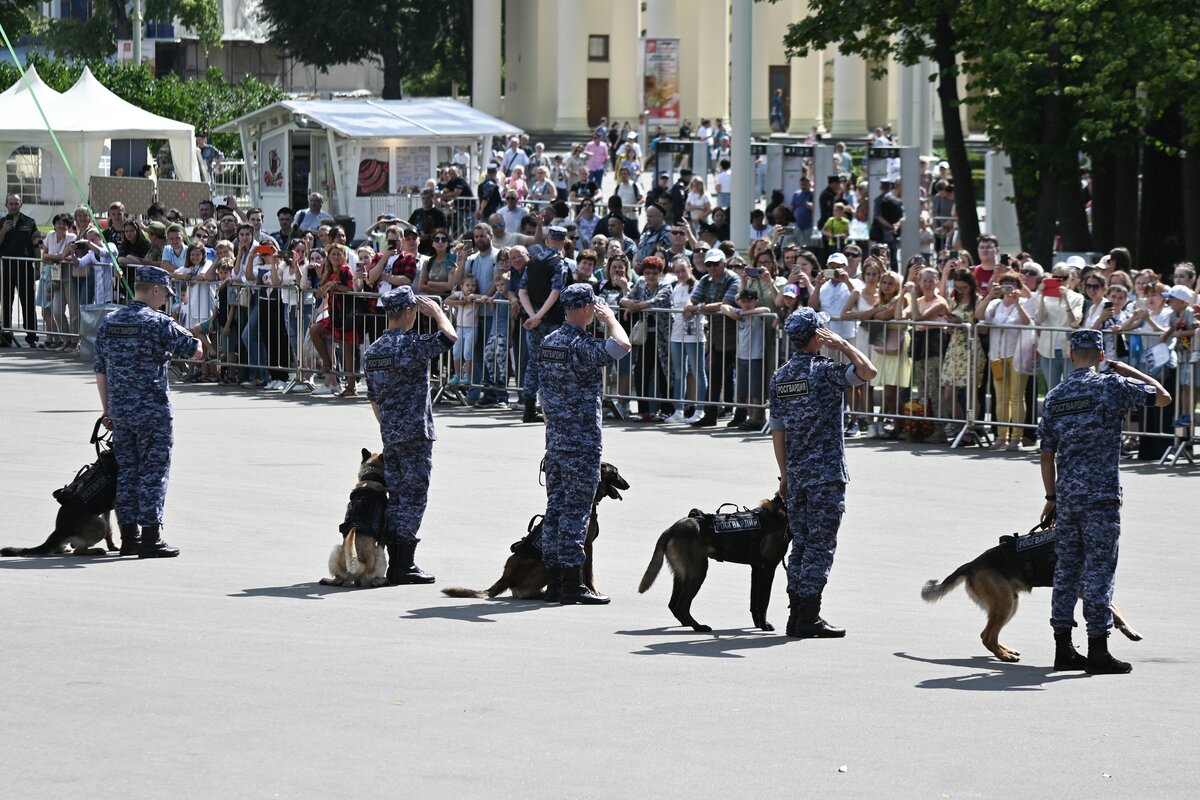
(737,536)
(366,513)
(1034,552)
(94,490)
(530,545)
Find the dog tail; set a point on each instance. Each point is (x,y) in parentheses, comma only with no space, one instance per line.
(459,591)
(933,591)
(656,562)
(350,553)
(44,549)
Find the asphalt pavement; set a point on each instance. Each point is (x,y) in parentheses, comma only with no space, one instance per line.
(230,672)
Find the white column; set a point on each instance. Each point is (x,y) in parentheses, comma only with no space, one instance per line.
(661,19)
(571,38)
(741,77)
(807,103)
(849,97)
(485,65)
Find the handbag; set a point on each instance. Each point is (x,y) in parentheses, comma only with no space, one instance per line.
(637,336)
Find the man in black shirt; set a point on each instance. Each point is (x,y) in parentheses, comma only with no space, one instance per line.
(678,195)
(17,233)
(427,219)
(489,195)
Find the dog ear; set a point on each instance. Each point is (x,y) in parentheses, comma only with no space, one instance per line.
(365,454)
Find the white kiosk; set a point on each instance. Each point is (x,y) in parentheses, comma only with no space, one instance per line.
(673,154)
(904,164)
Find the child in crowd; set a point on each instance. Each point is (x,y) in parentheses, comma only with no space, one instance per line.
(463,300)
(216,329)
(1181,329)
(495,349)
(198,296)
(837,228)
(751,341)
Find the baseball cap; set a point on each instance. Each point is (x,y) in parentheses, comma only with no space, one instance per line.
(398,300)
(1086,339)
(157,228)
(631,135)
(577,295)
(1179,292)
(791,290)
(802,323)
(1076,261)
(837,258)
(943,165)
(557,233)
(146,274)
(713,256)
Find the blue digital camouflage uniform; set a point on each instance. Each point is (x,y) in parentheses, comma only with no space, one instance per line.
(806,404)
(1081,425)
(534,338)
(134,348)
(397,370)
(572,364)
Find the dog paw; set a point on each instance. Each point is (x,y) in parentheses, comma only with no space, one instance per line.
(766,626)
(702,628)
(330,582)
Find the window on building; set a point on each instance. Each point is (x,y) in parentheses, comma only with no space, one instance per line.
(75,9)
(598,47)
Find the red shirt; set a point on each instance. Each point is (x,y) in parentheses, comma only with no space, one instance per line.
(983,277)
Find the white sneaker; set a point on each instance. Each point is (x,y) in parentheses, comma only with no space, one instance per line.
(323,390)
(696,416)
(875,430)
(676,417)
(274,386)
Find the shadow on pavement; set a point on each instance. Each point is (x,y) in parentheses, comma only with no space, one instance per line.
(58,562)
(298,591)
(718,644)
(477,612)
(994,676)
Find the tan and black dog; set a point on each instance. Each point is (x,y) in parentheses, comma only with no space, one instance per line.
(994,578)
(361,559)
(757,537)
(524,572)
(76,532)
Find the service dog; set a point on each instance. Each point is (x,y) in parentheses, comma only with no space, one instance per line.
(76,532)
(524,572)
(361,559)
(1017,564)
(757,537)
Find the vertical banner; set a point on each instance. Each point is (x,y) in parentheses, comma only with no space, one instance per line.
(660,81)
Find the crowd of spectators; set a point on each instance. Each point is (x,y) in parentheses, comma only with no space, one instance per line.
(294,307)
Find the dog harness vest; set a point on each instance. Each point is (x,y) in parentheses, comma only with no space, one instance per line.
(737,536)
(94,489)
(530,545)
(1035,553)
(366,513)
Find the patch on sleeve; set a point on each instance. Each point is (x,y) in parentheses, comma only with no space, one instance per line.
(556,355)
(791,388)
(1071,405)
(381,362)
(124,331)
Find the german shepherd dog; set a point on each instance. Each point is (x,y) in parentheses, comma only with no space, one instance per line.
(76,532)
(524,571)
(689,543)
(361,559)
(993,581)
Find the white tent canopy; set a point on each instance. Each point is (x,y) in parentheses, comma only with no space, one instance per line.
(84,119)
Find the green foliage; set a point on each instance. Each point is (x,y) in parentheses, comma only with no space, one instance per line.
(418,43)
(204,103)
(20,17)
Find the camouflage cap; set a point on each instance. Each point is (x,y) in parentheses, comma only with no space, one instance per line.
(802,323)
(1086,339)
(577,295)
(398,300)
(146,274)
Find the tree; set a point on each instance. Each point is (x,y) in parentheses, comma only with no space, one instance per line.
(939,30)
(407,38)
(19,17)
(96,37)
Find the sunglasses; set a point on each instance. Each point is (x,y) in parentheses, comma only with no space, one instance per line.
(1094,285)
(440,239)
(848,254)
(1033,273)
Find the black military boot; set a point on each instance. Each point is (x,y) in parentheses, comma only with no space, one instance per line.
(1066,657)
(152,546)
(1100,662)
(401,569)
(804,621)
(531,413)
(739,417)
(130,539)
(574,590)
(553,585)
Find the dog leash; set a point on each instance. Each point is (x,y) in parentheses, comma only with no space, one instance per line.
(101,441)
(542,472)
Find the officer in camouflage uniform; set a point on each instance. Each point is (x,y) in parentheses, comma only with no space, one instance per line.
(133,351)
(1080,431)
(539,290)
(572,367)
(806,427)
(397,369)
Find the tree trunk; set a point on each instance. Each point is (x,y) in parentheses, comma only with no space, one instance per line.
(120,18)
(1162,219)
(1125,223)
(1104,202)
(966,205)
(392,89)
(1072,217)
(1191,204)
